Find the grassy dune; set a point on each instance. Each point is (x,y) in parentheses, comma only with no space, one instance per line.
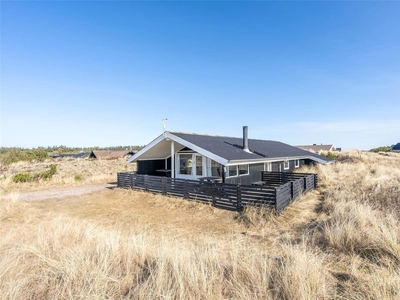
(69,172)
(340,242)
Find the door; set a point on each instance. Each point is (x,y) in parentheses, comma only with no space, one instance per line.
(190,166)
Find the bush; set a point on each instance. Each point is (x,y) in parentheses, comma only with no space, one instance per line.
(78,178)
(21,177)
(27,177)
(16,155)
(382,149)
(329,155)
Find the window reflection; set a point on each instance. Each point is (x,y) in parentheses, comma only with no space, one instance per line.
(185,164)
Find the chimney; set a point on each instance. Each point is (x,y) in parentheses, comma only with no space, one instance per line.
(245,139)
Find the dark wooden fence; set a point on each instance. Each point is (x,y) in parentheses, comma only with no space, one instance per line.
(222,195)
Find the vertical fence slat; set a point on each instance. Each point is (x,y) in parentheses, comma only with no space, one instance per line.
(238,198)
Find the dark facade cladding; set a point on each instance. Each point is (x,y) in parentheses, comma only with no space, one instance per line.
(150,167)
(254,175)
(255,171)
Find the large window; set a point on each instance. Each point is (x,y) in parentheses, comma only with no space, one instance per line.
(213,168)
(199,165)
(268,167)
(185,164)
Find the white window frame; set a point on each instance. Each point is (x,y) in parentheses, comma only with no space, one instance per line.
(227,170)
(268,166)
(288,164)
(237,170)
(297,163)
(246,174)
(193,174)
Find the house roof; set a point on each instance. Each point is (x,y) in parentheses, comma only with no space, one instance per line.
(74,155)
(396,147)
(109,154)
(316,148)
(225,150)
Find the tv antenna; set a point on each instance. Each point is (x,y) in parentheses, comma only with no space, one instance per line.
(164,125)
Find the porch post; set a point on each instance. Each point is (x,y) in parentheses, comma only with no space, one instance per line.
(172,159)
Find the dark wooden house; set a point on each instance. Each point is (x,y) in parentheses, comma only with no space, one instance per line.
(396,148)
(226,159)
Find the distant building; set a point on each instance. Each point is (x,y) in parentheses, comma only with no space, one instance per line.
(317,148)
(107,154)
(74,155)
(396,148)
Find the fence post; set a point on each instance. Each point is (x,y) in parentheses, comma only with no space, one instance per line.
(305,183)
(315,181)
(238,198)
(146,188)
(276,200)
(131,180)
(213,185)
(185,188)
(164,186)
(291,190)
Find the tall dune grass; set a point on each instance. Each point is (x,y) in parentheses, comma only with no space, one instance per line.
(66,258)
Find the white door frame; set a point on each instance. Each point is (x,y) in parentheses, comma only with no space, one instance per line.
(193,175)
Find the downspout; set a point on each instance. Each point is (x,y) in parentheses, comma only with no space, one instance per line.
(172,159)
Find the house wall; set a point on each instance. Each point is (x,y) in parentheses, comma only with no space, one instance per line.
(149,167)
(275,165)
(254,175)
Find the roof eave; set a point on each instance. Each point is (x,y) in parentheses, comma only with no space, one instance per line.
(273,159)
(198,149)
(169,136)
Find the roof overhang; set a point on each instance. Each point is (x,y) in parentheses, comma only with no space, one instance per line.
(273,159)
(160,148)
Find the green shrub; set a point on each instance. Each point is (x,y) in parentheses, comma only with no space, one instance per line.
(78,178)
(27,177)
(382,149)
(16,155)
(329,155)
(21,177)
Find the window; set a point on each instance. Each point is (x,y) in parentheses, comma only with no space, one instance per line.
(213,168)
(268,167)
(232,171)
(199,165)
(185,164)
(243,169)
(296,163)
(238,170)
(286,165)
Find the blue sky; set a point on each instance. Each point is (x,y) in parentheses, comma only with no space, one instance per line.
(106,73)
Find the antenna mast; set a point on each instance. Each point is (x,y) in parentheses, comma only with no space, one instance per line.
(164,124)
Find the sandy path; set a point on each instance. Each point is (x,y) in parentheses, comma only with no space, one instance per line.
(63,192)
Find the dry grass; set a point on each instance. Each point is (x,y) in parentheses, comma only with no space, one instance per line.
(340,242)
(70,172)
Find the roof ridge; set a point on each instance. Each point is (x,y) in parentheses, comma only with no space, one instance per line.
(223,136)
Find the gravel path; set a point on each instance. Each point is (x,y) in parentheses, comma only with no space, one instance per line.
(63,192)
